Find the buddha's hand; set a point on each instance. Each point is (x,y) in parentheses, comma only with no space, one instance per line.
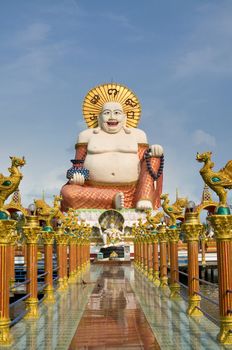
(156,151)
(77,179)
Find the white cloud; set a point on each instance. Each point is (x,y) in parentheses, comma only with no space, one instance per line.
(207,50)
(201,137)
(50,183)
(122,20)
(34,33)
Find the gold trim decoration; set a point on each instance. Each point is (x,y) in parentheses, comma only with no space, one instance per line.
(113,92)
(80,144)
(143,144)
(110,184)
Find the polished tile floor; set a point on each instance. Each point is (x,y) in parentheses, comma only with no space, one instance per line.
(116,309)
(113,318)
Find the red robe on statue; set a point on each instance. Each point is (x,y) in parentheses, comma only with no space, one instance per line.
(101,195)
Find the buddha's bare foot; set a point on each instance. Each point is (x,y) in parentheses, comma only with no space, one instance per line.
(119,200)
(144,204)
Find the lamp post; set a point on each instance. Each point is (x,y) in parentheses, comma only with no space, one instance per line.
(192,229)
(72,259)
(32,233)
(222,225)
(162,235)
(150,257)
(140,252)
(48,238)
(13,240)
(62,241)
(145,255)
(203,240)
(155,241)
(173,236)
(135,251)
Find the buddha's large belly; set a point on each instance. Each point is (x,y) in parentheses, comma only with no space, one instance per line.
(113,167)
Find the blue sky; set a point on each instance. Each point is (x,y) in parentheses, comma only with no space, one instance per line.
(175,55)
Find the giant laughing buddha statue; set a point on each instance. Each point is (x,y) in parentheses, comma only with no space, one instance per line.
(114,166)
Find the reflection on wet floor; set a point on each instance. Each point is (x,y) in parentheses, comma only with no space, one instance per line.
(117,308)
(113,318)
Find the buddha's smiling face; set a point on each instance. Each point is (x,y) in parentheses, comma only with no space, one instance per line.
(112,117)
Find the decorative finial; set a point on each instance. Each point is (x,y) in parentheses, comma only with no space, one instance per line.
(206,195)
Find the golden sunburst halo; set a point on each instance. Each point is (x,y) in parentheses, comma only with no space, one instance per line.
(112,92)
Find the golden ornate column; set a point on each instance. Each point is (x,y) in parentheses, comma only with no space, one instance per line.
(78,255)
(135,243)
(192,229)
(173,236)
(6,227)
(84,253)
(169,252)
(140,249)
(13,241)
(162,235)
(144,255)
(32,232)
(139,253)
(150,257)
(203,248)
(81,255)
(65,257)
(72,260)
(155,241)
(62,241)
(222,225)
(48,238)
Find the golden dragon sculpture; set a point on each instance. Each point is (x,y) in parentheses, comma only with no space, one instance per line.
(47,213)
(153,221)
(175,210)
(219,181)
(8,184)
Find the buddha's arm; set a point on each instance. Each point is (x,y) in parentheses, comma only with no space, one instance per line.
(78,178)
(81,145)
(81,151)
(148,194)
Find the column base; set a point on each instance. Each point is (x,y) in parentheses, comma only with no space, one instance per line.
(163,282)
(150,274)
(62,287)
(225,335)
(156,280)
(33,309)
(5,336)
(72,277)
(12,283)
(66,281)
(79,271)
(49,295)
(144,270)
(175,292)
(203,263)
(194,303)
